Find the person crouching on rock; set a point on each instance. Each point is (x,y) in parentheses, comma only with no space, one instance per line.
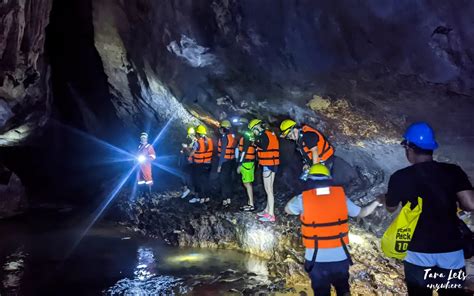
(310,143)
(268,153)
(146,154)
(324,210)
(201,157)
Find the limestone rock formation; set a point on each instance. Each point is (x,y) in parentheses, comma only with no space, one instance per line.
(25,97)
(13,199)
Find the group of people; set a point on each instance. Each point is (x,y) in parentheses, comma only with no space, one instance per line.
(245,147)
(435,251)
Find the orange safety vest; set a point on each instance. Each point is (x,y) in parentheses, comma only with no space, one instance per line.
(325,149)
(271,155)
(250,153)
(204,152)
(230,149)
(324,221)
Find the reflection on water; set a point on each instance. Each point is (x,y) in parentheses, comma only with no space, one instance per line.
(168,271)
(13,270)
(33,262)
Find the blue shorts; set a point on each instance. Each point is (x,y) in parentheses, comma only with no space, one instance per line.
(273,168)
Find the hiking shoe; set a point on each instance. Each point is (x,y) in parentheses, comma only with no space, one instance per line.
(267,218)
(185,193)
(247,208)
(194,200)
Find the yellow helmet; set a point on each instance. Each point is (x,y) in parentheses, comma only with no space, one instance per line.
(191,131)
(286,126)
(201,129)
(226,124)
(319,169)
(254,122)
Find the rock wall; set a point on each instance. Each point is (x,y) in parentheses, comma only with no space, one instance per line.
(25,97)
(359,71)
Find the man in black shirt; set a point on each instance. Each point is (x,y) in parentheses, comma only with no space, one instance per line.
(310,143)
(436,247)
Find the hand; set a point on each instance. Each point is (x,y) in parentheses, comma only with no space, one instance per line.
(184,145)
(219,169)
(381,199)
(239,169)
(306,167)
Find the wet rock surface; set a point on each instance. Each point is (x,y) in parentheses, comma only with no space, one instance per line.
(183,224)
(25,96)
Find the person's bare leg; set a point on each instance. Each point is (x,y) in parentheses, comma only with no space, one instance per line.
(249,188)
(268,178)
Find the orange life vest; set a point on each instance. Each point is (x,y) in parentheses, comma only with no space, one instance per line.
(204,152)
(271,155)
(324,221)
(250,153)
(230,149)
(325,149)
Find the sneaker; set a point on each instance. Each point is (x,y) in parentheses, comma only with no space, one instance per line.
(186,193)
(194,200)
(247,208)
(262,213)
(204,200)
(267,218)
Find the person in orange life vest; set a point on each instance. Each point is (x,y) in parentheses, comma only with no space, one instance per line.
(324,210)
(184,164)
(226,149)
(268,153)
(146,154)
(246,155)
(311,143)
(201,157)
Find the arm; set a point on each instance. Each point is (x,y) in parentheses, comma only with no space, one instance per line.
(369,209)
(191,154)
(466,200)
(244,151)
(295,206)
(315,155)
(151,153)
(224,143)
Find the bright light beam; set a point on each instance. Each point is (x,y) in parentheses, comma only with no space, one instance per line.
(169,170)
(102,207)
(165,157)
(94,139)
(162,130)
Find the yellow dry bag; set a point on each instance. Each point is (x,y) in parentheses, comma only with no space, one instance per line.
(396,238)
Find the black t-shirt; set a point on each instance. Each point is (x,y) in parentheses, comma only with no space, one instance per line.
(437,183)
(263,141)
(309,140)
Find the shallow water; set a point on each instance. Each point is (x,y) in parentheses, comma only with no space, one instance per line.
(37,258)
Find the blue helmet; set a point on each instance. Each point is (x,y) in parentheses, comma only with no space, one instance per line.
(421,135)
